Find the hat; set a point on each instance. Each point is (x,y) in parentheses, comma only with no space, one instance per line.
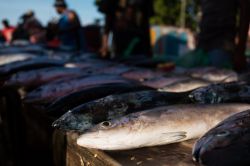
(60,3)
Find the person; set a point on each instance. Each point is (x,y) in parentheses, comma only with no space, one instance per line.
(218,31)
(129,22)
(34,27)
(29,28)
(69,28)
(7,31)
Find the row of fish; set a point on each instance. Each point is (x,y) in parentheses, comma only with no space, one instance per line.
(116,106)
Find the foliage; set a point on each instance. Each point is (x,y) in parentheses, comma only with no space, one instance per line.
(167,12)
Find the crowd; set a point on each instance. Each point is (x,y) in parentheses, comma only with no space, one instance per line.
(222,34)
(65,33)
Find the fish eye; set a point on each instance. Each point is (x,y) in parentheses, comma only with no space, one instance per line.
(106,124)
(223,133)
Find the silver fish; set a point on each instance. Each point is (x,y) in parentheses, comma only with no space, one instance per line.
(9,58)
(185,85)
(50,92)
(222,93)
(213,74)
(158,126)
(141,74)
(29,64)
(111,107)
(227,144)
(161,82)
(116,70)
(38,77)
(68,102)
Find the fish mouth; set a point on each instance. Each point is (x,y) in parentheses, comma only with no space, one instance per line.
(201,147)
(196,155)
(73,122)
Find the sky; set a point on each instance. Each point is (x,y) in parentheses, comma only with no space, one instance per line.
(13,9)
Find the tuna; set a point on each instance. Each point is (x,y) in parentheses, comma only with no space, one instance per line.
(157,126)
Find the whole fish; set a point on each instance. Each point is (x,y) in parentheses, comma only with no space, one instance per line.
(222,93)
(244,77)
(141,74)
(227,144)
(185,85)
(158,126)
(68,102)
(52,91)
(38,77)
(161,82)
(22,47)
(29,64)
(85,116)
(117,69)
(10,58)
(213,74)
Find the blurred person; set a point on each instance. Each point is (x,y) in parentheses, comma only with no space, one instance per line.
(29,28)
(52,34)
(218,31)
(7,31)
(69,28)
(128,21)
(33,27)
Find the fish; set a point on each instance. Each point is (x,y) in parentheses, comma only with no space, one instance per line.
(22,47)
(50,92)
(10,58)
(157,126)
(68,102)
(116,70)
(29,64)
(35,78)
(185,85)
(161,82)
(141,74)
(222,93)
(227,144)
(213,74)
(111,107)
(244,77)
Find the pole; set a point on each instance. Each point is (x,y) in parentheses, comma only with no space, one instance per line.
(183,13)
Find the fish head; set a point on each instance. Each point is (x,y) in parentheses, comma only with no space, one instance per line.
(71,121)
(109,135)
(222,139)
(205,95)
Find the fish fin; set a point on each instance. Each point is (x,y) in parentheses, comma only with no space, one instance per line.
(170,137)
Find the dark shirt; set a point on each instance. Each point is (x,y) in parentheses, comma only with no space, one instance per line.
(69,30)
(129,21)
(218,24)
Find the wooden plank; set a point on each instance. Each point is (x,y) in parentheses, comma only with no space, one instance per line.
(74,155)
(78,156)
(168,155)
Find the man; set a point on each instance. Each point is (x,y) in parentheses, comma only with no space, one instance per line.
(218,31)
(33,27)
(8,30)
(128,20)
(69,27)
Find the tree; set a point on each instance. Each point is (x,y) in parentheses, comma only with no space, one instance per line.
(168,12)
